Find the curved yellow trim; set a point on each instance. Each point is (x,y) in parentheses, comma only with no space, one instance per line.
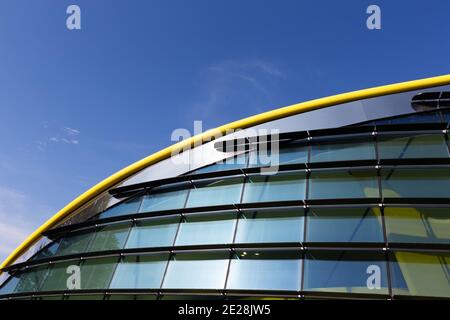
(211,134)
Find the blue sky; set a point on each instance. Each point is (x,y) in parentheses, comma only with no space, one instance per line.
(76,106)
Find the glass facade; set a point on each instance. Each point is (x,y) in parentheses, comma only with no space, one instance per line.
(362,214)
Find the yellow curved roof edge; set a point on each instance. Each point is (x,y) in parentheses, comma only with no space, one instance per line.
(211,134)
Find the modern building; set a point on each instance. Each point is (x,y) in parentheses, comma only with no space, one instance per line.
(341,197)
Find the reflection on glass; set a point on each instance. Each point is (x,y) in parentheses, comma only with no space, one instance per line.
(343,184)
(207,229)
(421,274)
(418,225)
(416,183)
(155,232)
(47,251)
(291,153)
(265,270)
(58,275)
(329,149)
(270,225)
(165,198)
(215,192)
(140,272)
(420,146)
(344,225)
(75,243)
(197,271)
(280,187)
(9,286)
(339,271)
(97,273)
(231,163)
(127,207)
(30,280)
(424,117)
(111,237)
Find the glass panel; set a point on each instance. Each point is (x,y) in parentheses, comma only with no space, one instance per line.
(237,162)
(283,186)
(156,232)
(9,286)
(427,117)
(30,280)
(165,198)
(75,243)
(215,192)
(215,228)
(344,225)
(58,276)
(340,271)
(127,207)
(197,271)
(418,225)
(329,149)
(140,272)
(292,153)
(421,274)
(343,184)
(97,273)
(420,146)
(416,183)
(110,237)
(270,225)
(47,251)
(265,270)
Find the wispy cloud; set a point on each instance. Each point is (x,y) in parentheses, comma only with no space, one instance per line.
(65,135)
(71,131)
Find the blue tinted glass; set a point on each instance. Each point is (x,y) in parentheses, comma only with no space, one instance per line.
(237,162)
(207,229)
(165,198)
(416,183)
(9,286)
(427,117)
(128,207)
(418,225)
(47,251)
(349,272)
(140,272)
(270,225)
(420,273)
(287,154)
(110,237)
(157,232)
(344,225)
(75,243)
(280,187)
(197,271)
(215,192)
(343,184)
(419,146)
(262,270)
(342,148)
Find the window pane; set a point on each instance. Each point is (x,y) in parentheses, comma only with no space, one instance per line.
(344,225)
(265,270)
(418,225)
(128,207)
(330,149)
(156,232)
(270,225)
(420,146)
(340,271)
(96,273)
(207,229)
(197,271)
(421,274)
(165,198)
(292,153)
(343,184)
(31,279)
(237,162)
(75,243)
(416,183)
(47,251)
(215,192)
(283,186)
(140,272)
(58,275)
(111,237)
(426,117)
(10,285)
